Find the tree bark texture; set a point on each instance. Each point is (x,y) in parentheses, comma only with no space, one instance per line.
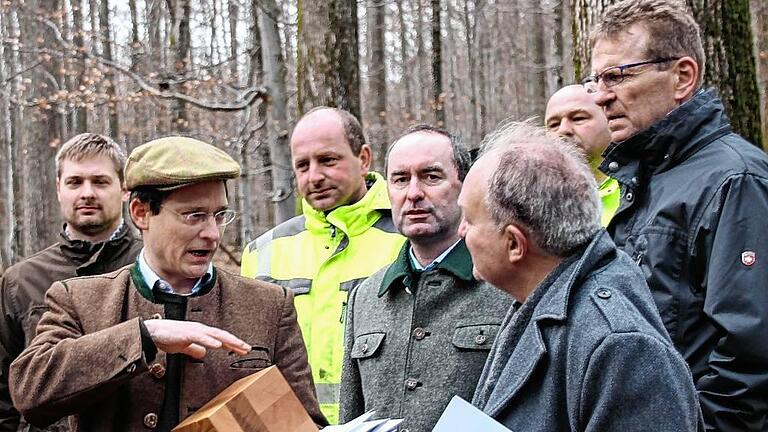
(283,195)
(437,95)
(328,70)
(377,83)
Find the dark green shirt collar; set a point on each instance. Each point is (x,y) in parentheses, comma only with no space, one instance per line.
(401,272)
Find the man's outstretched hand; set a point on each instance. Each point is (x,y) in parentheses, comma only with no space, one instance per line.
(192,338)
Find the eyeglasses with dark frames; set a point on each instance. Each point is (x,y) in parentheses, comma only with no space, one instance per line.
(221,217)
(614,75)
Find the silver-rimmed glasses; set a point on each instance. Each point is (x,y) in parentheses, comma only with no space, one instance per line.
(221,217)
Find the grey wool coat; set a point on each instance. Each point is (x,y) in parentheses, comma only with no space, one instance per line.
(87,359)
(587,351)
(407,353)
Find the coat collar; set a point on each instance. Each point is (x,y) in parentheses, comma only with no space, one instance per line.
(458,262)
(519,360)
(84,253)
(353,219)
(674,138)
(554,302)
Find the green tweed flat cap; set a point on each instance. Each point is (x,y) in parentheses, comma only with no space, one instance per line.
(171,162)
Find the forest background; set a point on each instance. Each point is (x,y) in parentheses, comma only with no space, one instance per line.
(238,74)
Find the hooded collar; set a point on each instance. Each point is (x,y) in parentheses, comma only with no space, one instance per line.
(458,262)
(674,138)
(352,219)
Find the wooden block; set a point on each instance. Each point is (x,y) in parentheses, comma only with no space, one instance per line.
(262,402)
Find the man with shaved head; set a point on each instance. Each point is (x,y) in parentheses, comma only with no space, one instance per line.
(343,236)
(572,113)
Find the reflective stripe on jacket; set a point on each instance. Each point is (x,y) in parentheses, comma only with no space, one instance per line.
(321,257)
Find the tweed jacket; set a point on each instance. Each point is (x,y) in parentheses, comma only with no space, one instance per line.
(587,351)
(414,340)
(87,358)
(22,299)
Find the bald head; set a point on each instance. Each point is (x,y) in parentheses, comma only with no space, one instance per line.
(330,158)
(572,113)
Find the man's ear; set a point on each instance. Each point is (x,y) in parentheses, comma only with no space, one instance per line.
(516,242)
(365,158)
(686,75)
(140,213)
(126,194)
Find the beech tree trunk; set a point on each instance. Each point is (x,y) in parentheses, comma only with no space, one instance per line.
(283,195)
(328,70)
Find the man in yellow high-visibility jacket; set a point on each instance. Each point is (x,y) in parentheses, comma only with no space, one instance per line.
(344,235)
(572,113)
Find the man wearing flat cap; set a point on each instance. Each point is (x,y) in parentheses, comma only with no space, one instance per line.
(147,345)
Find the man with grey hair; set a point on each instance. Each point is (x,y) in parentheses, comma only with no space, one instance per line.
(94,240)
(585,350)
(694,196)
(426,305)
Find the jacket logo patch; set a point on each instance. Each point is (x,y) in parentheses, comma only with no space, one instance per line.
(748,258)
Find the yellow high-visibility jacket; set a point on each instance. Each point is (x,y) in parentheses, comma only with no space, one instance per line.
(321,257)
(610,195)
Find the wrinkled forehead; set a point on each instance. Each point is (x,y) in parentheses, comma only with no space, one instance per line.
(624,46)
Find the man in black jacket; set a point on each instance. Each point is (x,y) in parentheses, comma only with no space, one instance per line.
(95,240)
(693,205)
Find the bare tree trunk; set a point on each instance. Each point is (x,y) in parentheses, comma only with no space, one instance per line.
(328,70)
(180,45)
(135,40)
(377,83)
(483,68)
(537,82)
(437,63)
(106,52)
(14,243)
(760,31)
(43,130)
(277,121)
(727,37)
(470,28)
(425,74)
(405,72)
(233,11)
(80,112)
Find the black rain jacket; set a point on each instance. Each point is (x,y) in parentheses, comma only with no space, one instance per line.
(694,217)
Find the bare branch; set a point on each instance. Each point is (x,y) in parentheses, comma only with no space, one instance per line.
(246,98)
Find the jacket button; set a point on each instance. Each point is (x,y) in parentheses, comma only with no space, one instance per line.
(364,348)
(613,166)
(131,368)
(419,333)
(629,196)
(634,181)
(157,370)
(481,339)
(411,383)
(604,293)
(150,420)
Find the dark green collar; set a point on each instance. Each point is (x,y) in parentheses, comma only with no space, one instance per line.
(146,291)
(458,262)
